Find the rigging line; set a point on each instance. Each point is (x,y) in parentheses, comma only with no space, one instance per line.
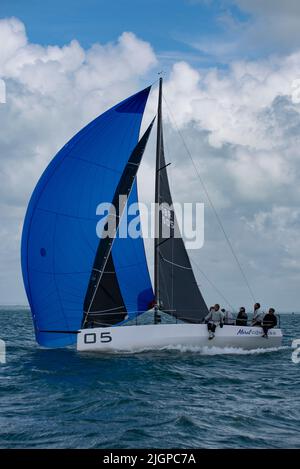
(176,265)
(105,311)
(109,312)
(213,285)
(211,204)
(163,167)
(162,242)
(162,273)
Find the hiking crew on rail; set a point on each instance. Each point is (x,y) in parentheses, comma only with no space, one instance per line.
(218,317)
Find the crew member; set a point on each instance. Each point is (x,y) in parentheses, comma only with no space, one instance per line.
(242,317)
(269,321)
(257,315)
(228,317)
(213,319)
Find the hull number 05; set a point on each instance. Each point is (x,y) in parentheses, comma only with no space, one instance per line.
(105,337)
(90,338)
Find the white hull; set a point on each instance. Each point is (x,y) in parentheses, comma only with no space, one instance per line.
(155,337)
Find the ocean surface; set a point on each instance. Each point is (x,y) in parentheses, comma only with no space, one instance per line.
(166,399)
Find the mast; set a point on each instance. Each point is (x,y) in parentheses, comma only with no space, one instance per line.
(175,287)
(159,144)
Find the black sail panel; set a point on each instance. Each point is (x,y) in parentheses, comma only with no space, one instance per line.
(177,291)
(108,305)
(103,304)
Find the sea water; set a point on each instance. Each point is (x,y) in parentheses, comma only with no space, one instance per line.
(182,398)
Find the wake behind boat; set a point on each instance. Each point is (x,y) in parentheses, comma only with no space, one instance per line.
(84,290)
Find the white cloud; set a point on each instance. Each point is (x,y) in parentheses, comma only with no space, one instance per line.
(241,124)
(231,105)
(51,85)
(51,93)
(258,175)
(12,35)
(280,226)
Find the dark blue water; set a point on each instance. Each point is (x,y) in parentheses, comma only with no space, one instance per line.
(59,398)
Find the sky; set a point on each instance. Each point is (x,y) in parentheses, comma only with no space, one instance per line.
(232,81)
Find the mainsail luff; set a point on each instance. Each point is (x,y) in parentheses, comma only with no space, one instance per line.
(159,145)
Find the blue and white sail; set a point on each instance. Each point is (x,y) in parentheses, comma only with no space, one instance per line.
(59,241)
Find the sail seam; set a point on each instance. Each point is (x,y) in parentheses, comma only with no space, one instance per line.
(92,163)
(105,311)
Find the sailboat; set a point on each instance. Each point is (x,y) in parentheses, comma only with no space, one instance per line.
(89,292)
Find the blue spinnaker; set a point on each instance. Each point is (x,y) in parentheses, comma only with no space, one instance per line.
(131,269)
(59,238)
